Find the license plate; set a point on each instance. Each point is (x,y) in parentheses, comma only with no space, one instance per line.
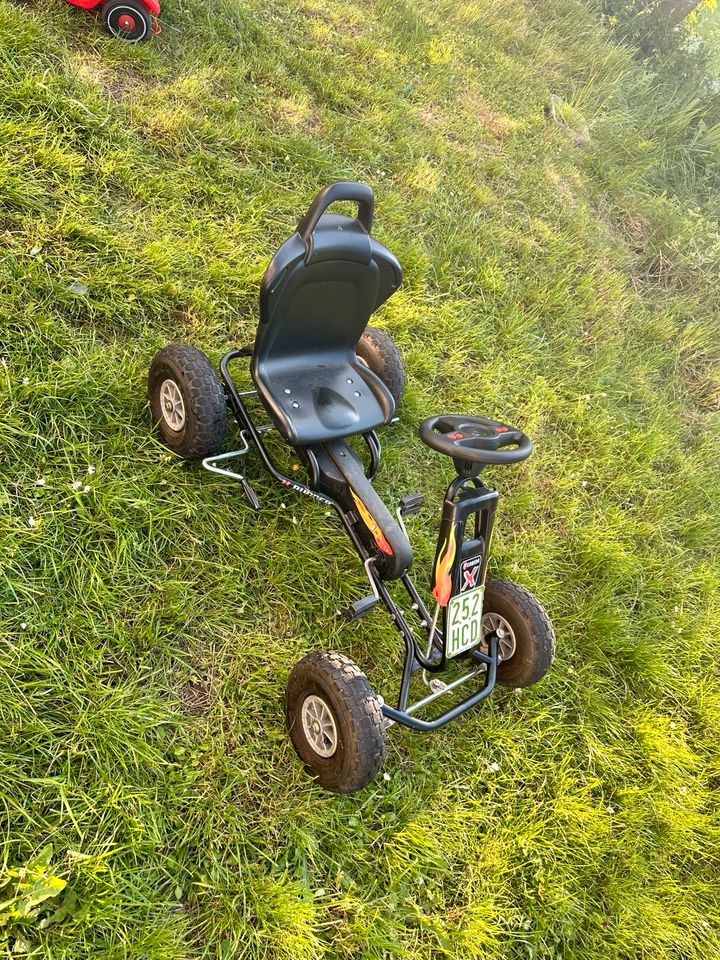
(463,623)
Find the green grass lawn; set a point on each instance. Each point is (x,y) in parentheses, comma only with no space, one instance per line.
(149,619)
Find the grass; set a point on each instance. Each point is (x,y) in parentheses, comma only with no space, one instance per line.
(153,808)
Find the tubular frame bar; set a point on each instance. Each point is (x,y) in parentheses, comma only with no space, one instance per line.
(406,718)
(373,444)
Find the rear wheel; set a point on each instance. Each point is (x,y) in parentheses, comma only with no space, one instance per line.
(127,20)
(187,402)
(335,721)
(526,639)
(377,350)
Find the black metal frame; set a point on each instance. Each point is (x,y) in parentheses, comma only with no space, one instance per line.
(414,656)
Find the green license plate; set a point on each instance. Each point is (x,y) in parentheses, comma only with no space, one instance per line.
(464,621)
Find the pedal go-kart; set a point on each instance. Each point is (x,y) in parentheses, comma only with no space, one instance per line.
(130,20)
(322,375)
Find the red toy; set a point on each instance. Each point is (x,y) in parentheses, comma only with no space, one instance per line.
(131,20)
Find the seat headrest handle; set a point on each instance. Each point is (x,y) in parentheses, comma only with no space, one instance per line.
(342,190)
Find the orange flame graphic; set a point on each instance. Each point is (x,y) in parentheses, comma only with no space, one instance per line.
(443,581)
(372,525)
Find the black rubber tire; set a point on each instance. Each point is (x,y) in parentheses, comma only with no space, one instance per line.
(533,629)
(357,713)
(205,406)
(377,349)
(114,10)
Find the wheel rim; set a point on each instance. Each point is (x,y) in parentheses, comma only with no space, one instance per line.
(318,726)
(172,405)
(127,24)
(505,634)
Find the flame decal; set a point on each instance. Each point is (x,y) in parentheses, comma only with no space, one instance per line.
(443,581)
(372,525)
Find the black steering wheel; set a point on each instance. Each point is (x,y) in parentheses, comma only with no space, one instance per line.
(475,439)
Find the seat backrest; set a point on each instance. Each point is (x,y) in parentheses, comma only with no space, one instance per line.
(318,294)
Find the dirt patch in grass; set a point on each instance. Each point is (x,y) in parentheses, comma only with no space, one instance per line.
(119,82)
(196,697)
(498,124)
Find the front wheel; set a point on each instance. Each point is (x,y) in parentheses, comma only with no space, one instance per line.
(526,639)
(127,20)
(335,721)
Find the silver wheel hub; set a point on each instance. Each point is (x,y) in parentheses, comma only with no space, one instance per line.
(318,726)
(172,405)
(505,634)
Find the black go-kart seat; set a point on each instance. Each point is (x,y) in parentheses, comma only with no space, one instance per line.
(316,298)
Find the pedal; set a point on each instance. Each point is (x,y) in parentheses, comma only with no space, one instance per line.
(411,504)
(358,609)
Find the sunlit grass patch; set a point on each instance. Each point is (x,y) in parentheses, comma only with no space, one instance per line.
(148,619)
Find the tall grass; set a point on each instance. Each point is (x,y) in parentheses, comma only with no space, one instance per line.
(148,619)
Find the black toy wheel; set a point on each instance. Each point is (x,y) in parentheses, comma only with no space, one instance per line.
(127,20)
(335,721)
(187,402)
(526,642)
(377,350)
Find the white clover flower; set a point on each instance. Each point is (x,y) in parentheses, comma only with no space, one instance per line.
(23,626)
(31,522)
(40,482)
(386,777)
(91,470)
(26,381)
(76,484)
(495,767)
(86,488)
